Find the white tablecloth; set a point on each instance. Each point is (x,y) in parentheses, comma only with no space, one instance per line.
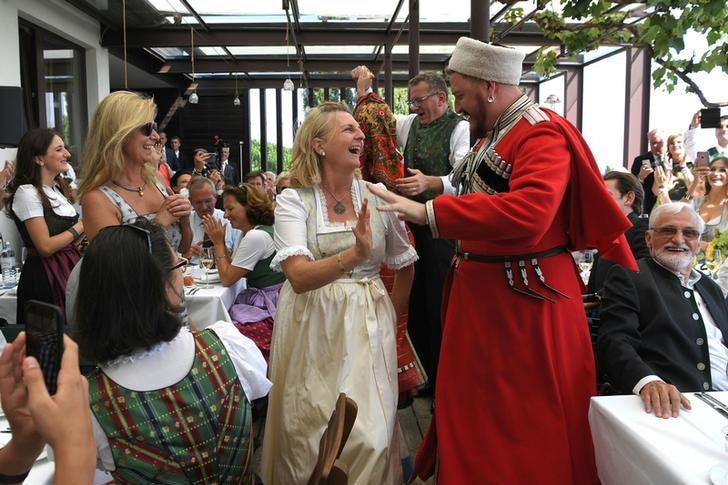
(8,305)
(636,448)
(208,305)
(205,306)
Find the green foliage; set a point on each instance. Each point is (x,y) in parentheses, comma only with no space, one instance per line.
(271,156)
(401,97)
(344,95)
(721,242)
(659,25)
(513,15)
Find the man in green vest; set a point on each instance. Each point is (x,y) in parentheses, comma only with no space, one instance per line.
(433,139)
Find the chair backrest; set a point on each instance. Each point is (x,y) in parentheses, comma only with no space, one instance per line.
(329,469)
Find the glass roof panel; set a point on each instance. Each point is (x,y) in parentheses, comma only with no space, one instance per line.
(336,10)
(340,49)
(229,19)
(261,50)
(240,9)
(425,49)
(169,6)
(213,51)
(169,52)
(449,11)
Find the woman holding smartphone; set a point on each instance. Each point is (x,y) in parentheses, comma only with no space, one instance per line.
(39,201)
(713,207)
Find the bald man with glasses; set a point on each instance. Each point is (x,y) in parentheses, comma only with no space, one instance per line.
(663,329)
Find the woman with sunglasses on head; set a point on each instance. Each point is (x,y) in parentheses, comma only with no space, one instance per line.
(119,171)
(39,201)
(184,398)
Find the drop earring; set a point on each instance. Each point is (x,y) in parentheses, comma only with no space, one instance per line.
(491,98)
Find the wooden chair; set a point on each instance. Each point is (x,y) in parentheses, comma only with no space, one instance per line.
(329,469)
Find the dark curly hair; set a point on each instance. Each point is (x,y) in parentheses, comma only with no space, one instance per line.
(258,205)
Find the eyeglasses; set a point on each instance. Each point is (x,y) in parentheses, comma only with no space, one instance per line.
(147,128)
(208,201)
(669,231)
(181,263)
(417,102)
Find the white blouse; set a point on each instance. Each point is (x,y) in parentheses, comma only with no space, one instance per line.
(291,231)
(27,203)
(252,246)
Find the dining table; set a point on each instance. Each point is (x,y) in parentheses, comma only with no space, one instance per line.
(205,306)
(633,447)
(8,304)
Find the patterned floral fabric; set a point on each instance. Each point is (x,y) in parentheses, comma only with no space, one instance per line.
(129,215)
(197,431)
(380,161)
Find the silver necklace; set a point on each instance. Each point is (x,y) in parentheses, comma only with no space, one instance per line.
(139,190)
(338,207)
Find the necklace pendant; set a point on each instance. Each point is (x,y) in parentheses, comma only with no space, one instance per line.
(339,208)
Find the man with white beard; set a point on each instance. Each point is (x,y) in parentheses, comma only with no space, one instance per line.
(663,329)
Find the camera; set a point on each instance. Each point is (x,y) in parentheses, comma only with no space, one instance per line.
(710,117)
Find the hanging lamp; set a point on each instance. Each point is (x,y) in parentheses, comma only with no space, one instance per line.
(193,99)
(236,100)
(288,83)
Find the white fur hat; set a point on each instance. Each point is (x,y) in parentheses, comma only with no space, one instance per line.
(487,61)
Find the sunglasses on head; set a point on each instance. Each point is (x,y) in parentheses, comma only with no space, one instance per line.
(181,262)
(147,128)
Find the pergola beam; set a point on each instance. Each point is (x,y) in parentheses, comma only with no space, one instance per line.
(227,86)
(252,64)
(317,34)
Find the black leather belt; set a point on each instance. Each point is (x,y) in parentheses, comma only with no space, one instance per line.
(480,258)
(519,260)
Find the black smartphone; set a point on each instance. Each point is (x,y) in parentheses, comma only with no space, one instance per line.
(710,118)
(44,339)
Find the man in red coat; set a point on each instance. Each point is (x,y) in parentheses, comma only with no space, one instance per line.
(516,369)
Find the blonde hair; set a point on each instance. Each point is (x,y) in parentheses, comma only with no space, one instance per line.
(306,166)
(118,115)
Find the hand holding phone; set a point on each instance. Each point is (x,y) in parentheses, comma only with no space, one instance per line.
(44,325)
(702,160)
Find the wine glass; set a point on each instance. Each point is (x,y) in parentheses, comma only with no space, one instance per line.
(715,261)
(207,259)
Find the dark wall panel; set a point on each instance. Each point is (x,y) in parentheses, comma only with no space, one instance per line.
(213,115)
